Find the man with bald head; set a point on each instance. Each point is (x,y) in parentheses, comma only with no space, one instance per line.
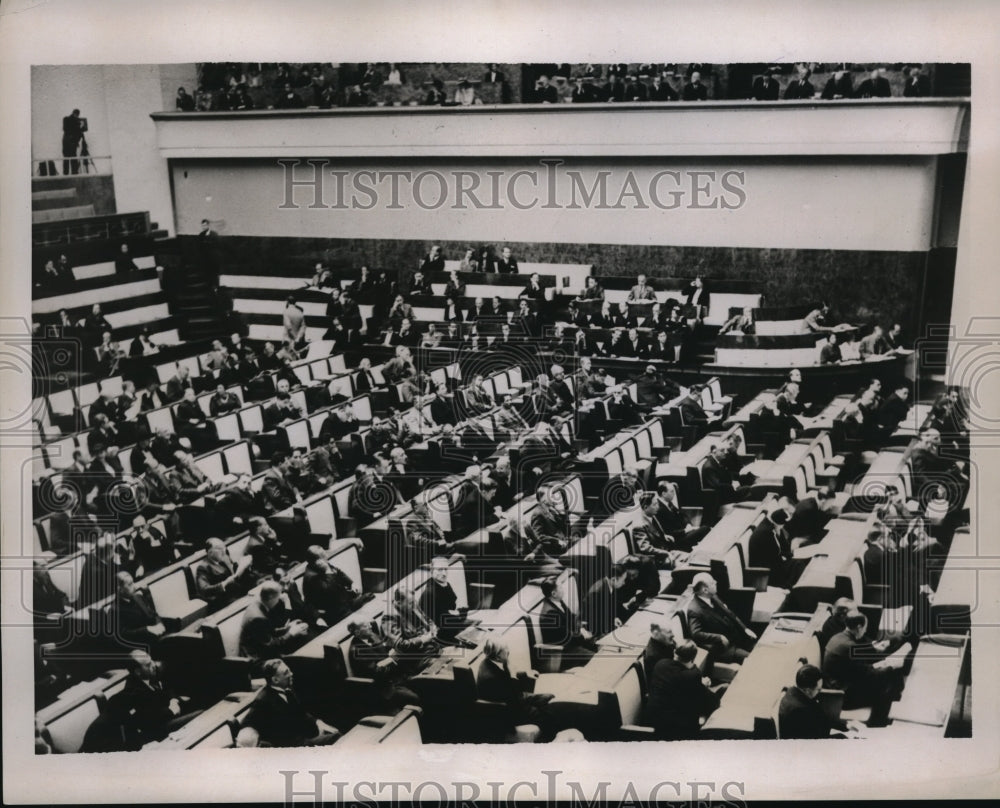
(218,579)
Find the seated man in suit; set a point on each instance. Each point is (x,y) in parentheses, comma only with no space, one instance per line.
(191,480)
(277,492)
(679,697)
(268,629)
(650,537)
(372,656)
(264,547)
(931,470)
(145,708)
(193,424)
(473,503)
(412,634)
(771,548)
(422,532)
(560,625)
(715,476)
(874,344)
(548,525)
(280,718)
(133,616)
(894,409)
(693,414)
(642,290)
(476,396)
(652,390)
(218,580)
(714,626)
(673,519)
(604,607)
(440,603)
(800,715)
(494,682)
(329,592)
(808,520)
(851,663)
(661,645)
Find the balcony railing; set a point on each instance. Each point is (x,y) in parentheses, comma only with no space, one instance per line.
(71,166)
(92,228)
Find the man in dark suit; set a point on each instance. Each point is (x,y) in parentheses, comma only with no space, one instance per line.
(839,85)
(662,91)
(715,476)
(507,263)
(853,664)
(661,645)
(329,592)
(123,262)
(930,469)
(73,127)
(145,708)
(649,535)
(133,616)
(218,580)
(559,625)
(473,504)
(104,405)
(693,414)
(268,629)
(604,608)
(494,682)
(771,548)
(193,424)
(800,87)
(894,410)
(674,521)
(177,384)
(875,86)
(652,390)
(694,90)
(442,407)
(811,515)
(277,492)
(440,603)
(582,92)
(678,696)
(800,715)
(765,87)
(280,718)
(917,84)
(548,525)
(561,388)
(433,261)
(697,299)
(714,626)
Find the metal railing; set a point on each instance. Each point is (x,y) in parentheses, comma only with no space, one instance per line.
(71,166)
(91,228)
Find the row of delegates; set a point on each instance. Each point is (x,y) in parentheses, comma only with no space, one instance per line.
(628,88)
(482,260)
(766,87)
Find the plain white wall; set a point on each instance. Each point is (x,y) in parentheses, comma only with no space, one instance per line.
(853,203)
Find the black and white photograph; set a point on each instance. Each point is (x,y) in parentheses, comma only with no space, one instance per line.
(376,428)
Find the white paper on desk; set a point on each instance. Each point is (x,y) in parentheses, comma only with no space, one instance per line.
(567,687)
(806,550)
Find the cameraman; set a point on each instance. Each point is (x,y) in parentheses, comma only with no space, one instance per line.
(73,128)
